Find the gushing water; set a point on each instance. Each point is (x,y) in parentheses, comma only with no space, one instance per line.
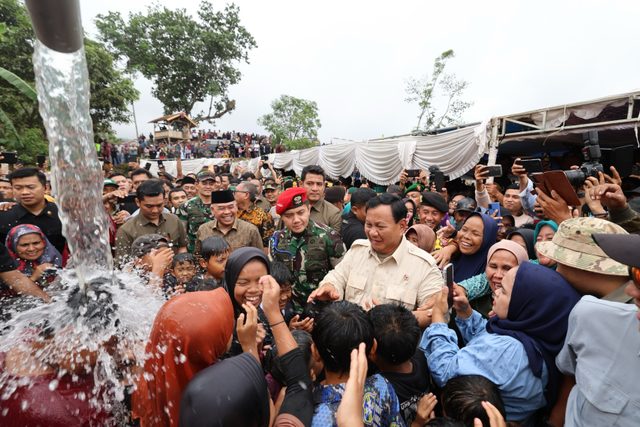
(62,83)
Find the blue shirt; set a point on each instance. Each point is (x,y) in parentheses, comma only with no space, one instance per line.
(380,407)
(500,358)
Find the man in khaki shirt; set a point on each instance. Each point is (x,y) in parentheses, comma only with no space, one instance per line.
(386,267)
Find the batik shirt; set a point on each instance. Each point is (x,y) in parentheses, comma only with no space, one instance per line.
(262,220)
(380,407)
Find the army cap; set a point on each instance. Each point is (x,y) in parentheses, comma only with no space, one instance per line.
(205,175)
(573,245)
(145,244)
(415,187)
(271,185)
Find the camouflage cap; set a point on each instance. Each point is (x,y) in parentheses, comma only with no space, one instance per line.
(573,245)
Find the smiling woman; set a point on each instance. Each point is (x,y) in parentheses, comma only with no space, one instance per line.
(477,235)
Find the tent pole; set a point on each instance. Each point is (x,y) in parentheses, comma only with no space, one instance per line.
(493,145)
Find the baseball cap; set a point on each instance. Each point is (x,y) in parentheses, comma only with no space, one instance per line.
(271,185)
(205,175)
(573,245)
(466,204)
(109,181)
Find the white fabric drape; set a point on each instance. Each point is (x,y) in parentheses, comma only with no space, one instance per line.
(380,161)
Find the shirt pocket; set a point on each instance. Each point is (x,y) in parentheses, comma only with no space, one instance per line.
(404,296)
(604,396)
(355,288)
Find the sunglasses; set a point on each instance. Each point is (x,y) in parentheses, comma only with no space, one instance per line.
(634,272)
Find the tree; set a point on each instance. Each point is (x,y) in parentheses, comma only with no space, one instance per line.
(423,91)
(293,122)
(21,127)
(188,60)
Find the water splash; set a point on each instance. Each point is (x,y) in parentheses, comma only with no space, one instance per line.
(62,83)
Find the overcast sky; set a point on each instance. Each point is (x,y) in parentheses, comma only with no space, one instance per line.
(352,58)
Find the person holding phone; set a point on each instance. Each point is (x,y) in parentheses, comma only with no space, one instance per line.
(510,199)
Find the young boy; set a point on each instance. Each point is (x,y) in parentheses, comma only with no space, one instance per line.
(397,355)
(215,251)
(340,328)
(183,269)
(283,276)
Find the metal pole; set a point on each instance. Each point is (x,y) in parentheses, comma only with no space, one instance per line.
(133,107)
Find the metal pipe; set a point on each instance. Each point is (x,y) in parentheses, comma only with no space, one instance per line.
(57,24)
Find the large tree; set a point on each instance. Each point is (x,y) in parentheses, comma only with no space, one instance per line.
(188,60)
(293,122)
(449,110)
(23,130)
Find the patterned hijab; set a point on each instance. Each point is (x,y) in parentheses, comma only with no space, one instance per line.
(50,255)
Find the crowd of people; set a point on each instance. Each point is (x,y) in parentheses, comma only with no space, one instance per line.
(310,301)
(203,144)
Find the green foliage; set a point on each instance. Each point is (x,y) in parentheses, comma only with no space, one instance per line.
(21,126)
(423,91)
(188,60)
(293,121)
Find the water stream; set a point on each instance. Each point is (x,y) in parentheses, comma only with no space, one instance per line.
(62,83)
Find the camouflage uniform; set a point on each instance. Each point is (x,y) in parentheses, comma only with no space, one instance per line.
(309,257)
(193,213)
(573,245)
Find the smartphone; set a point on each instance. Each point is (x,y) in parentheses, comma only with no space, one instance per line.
(10,157)
(494,207)
(531,165)
(447,272)
(147,166)
(41,159)
(160,165)
(412,173)
(495,170)
(438,179)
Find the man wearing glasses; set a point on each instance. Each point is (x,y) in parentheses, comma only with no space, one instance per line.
(246,194)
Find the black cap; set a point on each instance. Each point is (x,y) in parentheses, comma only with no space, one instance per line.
(188,180)
(624,248)
(466,204)
(222,196)
(145,244)
(435,200)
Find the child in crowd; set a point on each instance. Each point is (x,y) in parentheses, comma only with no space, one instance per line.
(183,269)
(283,276)
(152,258)
(215,251)
(462,399)
(400,360)
(340,328)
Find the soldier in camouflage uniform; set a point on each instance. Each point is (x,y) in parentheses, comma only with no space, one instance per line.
(309,249)
(578,257)
(197,211)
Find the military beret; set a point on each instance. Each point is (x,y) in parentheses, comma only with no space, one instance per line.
(435,200)
(291,198)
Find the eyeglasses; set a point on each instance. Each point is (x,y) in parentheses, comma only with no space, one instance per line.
(635,275)
(239,191)
(453,203)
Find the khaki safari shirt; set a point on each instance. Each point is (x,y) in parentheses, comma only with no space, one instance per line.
(409,276)
(240,234)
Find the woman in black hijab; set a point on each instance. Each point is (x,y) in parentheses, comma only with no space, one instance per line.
(525,235)
(243,271)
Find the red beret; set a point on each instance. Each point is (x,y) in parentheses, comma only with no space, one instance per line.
(291,198)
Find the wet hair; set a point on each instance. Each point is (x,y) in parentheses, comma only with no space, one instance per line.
(314,170)
(212,246)
(361,196)
(398,209)
(340,328)
(313,309)
(445,422)
(141,171)
(149,188)
(462,398)
(176,190)
(281,273)
(396,331)
(182,258)
(251,189)
(272,359)
(26,173)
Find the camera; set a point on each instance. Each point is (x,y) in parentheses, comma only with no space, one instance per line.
(591,165)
